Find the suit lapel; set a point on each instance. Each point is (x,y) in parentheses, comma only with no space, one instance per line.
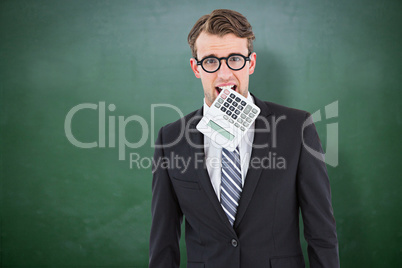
(197,151)
(253,174)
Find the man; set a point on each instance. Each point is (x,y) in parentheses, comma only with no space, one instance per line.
(263,228)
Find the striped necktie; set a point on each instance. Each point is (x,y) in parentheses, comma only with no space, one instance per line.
(231,183)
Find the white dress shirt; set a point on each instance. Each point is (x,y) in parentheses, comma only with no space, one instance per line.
(213,155)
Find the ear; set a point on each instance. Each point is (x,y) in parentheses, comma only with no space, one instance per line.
(253,61)
(194,67)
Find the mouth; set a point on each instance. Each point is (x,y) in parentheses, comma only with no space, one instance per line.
(219,89)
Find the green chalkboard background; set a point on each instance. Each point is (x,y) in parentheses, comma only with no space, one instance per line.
(66,206)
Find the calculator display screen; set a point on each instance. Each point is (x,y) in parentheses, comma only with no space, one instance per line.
(221,131)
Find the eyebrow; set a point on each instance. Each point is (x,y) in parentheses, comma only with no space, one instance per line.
(210,55)
(214,55)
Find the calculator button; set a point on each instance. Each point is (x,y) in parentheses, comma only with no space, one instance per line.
(217,105)
(245,124)
(251,114)
(238,99)
(237,125)
(237,112)
(242,115)
(239,120)
(232,95)
(248,119)
(240,107)
(234,104)
(229,100)
(225,117)
(226,92)
(232,108)
(234,116)
(254,111)
(243,103)
(226,104)
(231,121)
(223,109)
(228,112)
(220,100)
(242,128)
(223,96)
(247,109)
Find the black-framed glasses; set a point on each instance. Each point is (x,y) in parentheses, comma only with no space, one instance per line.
(234,61)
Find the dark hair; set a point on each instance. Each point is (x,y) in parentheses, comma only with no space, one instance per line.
(221,22)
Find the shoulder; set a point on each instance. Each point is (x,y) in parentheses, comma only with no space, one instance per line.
(277,108)
(177,127)
(277,111)
(290,124)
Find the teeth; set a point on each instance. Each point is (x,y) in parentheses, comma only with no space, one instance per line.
(226,87)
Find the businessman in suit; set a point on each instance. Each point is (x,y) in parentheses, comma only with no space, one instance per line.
(277,176)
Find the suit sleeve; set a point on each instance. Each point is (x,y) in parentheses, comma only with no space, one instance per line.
(167,216)
(314,196)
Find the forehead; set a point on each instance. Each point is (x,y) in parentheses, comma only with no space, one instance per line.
(220,46)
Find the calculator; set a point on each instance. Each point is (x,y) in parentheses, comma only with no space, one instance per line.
(228,119)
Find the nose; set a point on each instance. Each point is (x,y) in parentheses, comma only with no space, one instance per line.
(224,71)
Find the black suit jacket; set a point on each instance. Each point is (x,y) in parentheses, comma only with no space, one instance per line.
(266,230)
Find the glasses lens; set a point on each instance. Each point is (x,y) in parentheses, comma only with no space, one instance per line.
(210,64)
(236,62)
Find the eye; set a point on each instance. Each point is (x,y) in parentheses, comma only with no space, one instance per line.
(235,58)
(210,61)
